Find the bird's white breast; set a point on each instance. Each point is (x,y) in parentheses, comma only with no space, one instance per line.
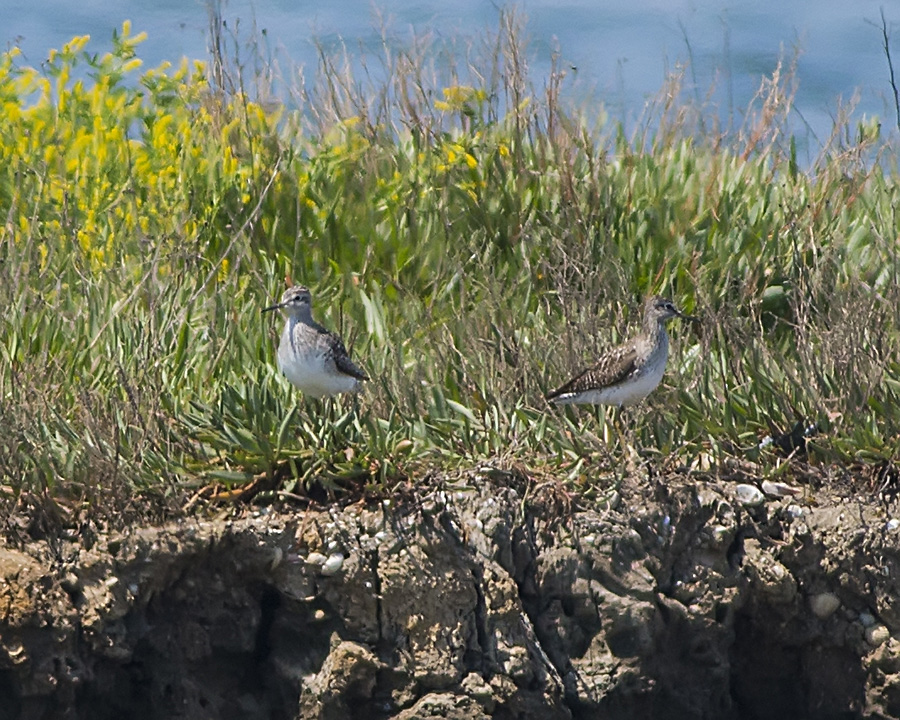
(309,368)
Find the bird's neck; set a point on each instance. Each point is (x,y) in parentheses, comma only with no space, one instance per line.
(656,335)
(301,316)
(653,328)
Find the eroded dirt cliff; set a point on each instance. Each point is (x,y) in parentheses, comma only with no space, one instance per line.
(490,596)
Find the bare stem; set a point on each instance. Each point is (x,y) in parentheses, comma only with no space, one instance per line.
(885,38)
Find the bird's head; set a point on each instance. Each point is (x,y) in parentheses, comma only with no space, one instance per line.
(296,300)
(659,309)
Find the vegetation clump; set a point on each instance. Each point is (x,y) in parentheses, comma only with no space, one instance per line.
(473,237)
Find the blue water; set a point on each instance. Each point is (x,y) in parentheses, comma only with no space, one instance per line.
(616,52)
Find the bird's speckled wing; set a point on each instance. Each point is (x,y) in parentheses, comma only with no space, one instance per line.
(342,361)
(612,368)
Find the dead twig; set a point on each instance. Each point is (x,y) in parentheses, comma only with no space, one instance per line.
(885,43)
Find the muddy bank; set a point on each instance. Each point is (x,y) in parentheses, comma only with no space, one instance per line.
(491,597)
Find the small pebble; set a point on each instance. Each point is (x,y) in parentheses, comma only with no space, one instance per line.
(877,635)
(749,495)
(893,524)
(824,604)
(867,619)
(315,558)
(333,565)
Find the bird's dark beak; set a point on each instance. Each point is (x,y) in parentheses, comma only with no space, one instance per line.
(689,318)
(276,306)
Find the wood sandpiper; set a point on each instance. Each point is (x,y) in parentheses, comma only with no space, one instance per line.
(626,374)
(312,358)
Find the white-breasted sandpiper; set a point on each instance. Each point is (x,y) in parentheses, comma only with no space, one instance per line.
(626,374)
(311,357)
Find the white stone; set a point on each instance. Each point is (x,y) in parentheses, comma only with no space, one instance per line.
(749,495)
(877,635)
(333,565)
(824,604)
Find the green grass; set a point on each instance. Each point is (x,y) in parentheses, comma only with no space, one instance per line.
(475,241)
